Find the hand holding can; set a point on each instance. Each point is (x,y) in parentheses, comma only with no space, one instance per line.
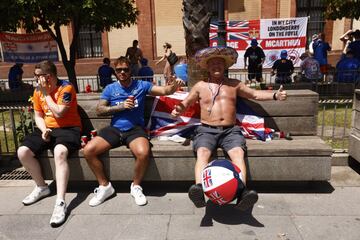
(84,140)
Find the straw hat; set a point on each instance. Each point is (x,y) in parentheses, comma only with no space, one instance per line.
(227,53)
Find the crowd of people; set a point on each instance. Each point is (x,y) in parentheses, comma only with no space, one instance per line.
(314,66)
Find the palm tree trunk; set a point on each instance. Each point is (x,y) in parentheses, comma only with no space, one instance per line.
(196,22)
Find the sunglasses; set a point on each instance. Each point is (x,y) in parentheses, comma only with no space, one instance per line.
(39,75)
(119,70)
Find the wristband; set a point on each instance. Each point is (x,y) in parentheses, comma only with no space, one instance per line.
(274,96)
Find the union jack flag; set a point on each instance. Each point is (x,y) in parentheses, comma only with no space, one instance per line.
(216,197)
(207,181)
(237,30)
(237,25)
(163,124)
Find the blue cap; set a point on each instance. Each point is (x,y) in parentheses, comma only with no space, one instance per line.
(254,42)
(283,54)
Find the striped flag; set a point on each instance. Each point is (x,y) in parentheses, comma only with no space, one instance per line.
(163,124)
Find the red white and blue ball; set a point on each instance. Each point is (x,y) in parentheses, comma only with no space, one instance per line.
(221,181)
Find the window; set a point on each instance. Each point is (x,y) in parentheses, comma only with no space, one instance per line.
(315,10)
(89,43)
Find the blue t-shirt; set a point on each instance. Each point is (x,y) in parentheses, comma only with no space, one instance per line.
(115,93)
(15,75)
(147,73)
(355,47)
(347,70)
(320,51)
(105,73)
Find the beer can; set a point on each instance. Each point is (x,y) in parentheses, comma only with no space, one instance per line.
(93,133)
(131,97)
(84,140)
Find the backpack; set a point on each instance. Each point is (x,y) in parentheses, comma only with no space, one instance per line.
(172,58)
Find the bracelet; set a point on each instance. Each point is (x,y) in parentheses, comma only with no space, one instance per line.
(274,96)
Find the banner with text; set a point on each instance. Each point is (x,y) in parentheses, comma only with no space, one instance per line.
(273,35)
(28,48)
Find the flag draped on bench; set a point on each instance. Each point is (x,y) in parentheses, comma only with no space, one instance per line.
(161,122)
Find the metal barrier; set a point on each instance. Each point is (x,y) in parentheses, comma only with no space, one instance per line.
(334,120)
(326,87)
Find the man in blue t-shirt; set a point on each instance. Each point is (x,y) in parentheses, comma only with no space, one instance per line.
(124,100)
(355,45)
(320,52)
(15,76)
(105,73)
(145,72)
(347,69)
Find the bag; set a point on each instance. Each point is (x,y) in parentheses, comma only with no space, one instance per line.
(172,58)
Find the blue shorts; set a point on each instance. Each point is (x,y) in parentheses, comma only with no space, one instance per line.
(212,137)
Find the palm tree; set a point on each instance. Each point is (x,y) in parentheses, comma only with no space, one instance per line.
(196,22)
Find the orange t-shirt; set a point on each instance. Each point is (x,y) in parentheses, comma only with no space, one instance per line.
(64,94)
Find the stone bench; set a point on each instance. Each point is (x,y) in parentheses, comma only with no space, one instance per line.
(305,158)
(354,138)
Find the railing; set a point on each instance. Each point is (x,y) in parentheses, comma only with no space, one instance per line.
(334,120)
(326,87)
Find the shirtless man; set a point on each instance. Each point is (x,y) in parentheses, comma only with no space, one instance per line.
(135,55)
(217,97)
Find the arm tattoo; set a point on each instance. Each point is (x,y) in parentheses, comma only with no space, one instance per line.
(103,108)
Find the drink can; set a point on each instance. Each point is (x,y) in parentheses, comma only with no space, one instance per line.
(93,133)
(131,97)
(84,140)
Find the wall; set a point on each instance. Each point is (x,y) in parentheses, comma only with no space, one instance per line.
(169,28)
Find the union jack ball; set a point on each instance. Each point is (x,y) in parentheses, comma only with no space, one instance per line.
(221,181)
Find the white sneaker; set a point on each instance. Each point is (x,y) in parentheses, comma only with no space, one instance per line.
(59,213)
(101,194)
(136,192)
(37,194)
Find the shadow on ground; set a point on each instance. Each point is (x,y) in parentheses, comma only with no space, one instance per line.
(228,215)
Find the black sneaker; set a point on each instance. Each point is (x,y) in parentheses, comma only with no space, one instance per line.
(247,199)
(196,195)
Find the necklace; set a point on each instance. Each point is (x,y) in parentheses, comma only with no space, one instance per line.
(213,95)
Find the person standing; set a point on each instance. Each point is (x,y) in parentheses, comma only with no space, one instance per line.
(347,69)
(355,45)
(309,68)
(146,73)
(15,76)
(256,58)
(58,128)
(124,100)
(283,68)
(135,55)
(320,52)
(217,96)
(105,73)
(171,60)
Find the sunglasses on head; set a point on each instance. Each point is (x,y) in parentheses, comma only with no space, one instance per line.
(119,70)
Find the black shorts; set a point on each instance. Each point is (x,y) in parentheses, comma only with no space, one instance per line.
(116,138)
(69,137)
(211,138)
(255,72)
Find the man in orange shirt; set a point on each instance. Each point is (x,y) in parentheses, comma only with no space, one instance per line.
(58,127)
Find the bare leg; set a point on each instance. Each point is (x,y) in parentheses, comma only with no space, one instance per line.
(61,169)
(203,158)
(92,150)
(31,164)
(237,156)
(141,149)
